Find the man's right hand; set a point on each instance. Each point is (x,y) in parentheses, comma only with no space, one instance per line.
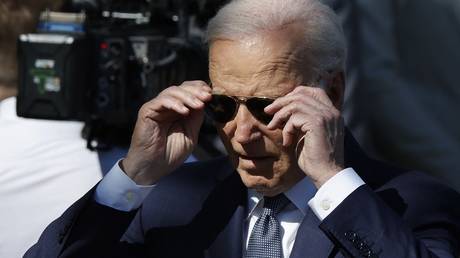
(166,132)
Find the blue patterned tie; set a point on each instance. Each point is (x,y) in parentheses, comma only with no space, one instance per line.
(265,239)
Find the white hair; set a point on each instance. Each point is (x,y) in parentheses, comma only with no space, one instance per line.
(322,31)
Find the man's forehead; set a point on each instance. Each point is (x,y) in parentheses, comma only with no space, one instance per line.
(269,66)
(270,91)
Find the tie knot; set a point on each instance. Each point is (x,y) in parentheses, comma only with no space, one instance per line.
(276,203)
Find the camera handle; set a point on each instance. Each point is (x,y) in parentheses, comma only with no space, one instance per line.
(148,66)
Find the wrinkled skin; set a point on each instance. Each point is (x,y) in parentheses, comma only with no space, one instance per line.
(305,137)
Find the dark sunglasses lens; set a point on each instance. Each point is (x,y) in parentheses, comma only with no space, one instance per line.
(221,108)
(256,107)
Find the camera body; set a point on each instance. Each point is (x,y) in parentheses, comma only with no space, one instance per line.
(48,87)
(102,61)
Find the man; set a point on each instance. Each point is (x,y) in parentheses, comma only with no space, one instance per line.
(45,165)
(403,67)
(276,69)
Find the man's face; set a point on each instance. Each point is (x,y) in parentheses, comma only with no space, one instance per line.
(266,66)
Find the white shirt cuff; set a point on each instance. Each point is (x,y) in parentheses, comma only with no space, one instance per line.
(334,191)
(118,191)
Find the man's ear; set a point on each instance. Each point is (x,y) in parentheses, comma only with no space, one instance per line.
(335,87)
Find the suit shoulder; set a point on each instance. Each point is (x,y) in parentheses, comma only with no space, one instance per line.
(416,183)
(414,193)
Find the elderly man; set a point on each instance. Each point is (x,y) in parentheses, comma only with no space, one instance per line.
(302,187)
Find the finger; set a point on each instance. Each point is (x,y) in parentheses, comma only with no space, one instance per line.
(158,108)
(197,86)
(294,97)
(288,133)
(202,92)
(171,103)
(317,93)
(281,116)
(196,83)
(294,126)
(184,96)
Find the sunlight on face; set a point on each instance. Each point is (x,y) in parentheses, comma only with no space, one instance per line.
(268,66)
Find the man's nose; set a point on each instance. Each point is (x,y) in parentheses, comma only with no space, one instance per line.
(246,126)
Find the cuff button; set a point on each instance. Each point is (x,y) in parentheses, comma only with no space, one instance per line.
(129,196)
(325,204)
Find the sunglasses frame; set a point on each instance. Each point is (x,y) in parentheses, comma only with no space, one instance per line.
(243,100)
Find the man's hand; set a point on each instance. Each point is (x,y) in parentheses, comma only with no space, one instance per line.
(166,132)
(310,120)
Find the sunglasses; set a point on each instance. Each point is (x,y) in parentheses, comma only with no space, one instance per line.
(222,108)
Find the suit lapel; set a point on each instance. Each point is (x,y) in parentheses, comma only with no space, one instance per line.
(310,240)
(228,243)
(232,204)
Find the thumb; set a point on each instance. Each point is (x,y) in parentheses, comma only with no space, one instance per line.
(193,124)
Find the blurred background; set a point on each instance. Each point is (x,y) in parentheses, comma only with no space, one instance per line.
(98,61)
(402,89)
(73,74)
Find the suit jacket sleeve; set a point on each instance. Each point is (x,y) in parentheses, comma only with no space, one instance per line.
(397,221)
(87,229)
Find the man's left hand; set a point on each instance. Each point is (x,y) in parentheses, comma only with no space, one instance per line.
(309,119)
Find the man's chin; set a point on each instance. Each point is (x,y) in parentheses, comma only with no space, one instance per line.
(269,191)
(260,183)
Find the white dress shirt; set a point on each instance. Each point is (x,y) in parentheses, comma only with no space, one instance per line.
(303,196)
(118,191)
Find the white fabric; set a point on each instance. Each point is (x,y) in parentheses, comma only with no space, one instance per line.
(334,191)
(45,167)
(118,191)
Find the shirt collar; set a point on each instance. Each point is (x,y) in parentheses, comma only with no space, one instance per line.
(299,195)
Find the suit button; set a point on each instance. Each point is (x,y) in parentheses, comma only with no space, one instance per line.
(368,254)
(361,246)
(352,236)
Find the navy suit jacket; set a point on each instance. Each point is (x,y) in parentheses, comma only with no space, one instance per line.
(200,210)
